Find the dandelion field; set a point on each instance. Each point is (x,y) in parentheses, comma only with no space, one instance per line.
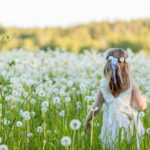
(46,96)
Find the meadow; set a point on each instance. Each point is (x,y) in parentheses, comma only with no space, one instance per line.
(46,96)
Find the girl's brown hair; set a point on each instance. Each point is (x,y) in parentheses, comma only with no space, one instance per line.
(117,88)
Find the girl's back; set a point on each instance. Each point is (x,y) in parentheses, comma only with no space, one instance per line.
(119,113)
(119,93)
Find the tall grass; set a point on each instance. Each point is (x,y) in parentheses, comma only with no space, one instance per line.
(67,83)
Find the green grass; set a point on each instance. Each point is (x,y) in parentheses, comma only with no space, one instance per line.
(53,72)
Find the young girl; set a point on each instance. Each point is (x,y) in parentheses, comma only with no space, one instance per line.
(118,91)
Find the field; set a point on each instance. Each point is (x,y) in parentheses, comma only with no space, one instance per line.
(43,92)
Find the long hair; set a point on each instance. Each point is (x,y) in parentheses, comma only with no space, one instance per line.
(124,69)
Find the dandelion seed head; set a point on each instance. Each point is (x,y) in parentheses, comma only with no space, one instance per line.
(65,141)
(32,101)
(44,109)
(148,130)
(141,114)
(30,134)
(67,99)
(45,104)
(39,129)
(19,124)
(75,124)
(3,147)
(56,100)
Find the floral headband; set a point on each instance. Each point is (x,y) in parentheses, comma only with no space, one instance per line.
(122,59)
(114,63)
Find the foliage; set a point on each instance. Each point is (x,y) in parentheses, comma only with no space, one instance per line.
(99,36)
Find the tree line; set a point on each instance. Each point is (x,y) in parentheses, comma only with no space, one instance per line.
(134,34)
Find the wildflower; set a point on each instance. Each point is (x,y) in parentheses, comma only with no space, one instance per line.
(26,115)
(32,101)
(48,132)
(78,103)
(19,124)
(45,104)
(65,141)
(33,113)
(56,100)
(62,113)
(3,147)
(70,83)
(67,99)
(62,93)
(42,93)
(148,130)
(30,134)
(87,98)
(75,124)
(92,108)
(141,114)
(44,109)
(44,125)
(39,129)
(73,89)
(56,131)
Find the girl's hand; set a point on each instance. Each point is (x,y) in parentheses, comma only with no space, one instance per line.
(88,126)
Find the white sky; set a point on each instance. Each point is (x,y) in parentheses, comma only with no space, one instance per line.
(41,13)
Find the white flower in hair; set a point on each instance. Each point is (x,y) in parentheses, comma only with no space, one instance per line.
(110,57)
(127,59)
(122,59)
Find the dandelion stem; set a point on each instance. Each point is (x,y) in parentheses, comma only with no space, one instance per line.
(73,140)
(91,138)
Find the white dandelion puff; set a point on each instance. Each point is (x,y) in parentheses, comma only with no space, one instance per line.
(67,99)
(32,101)
(3,147)
(19,124)
(56,100)
(93,108)
(75,124)
(44,125)
(45,104)
(30,134)
(61,113)
(42,93)
(48,132)
(26,115)
(148,130)
(44,109)
(141,114)
(39,129)
(32,113)
(66,141)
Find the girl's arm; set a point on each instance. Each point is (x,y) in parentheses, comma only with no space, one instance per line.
(140,100)
(98,103)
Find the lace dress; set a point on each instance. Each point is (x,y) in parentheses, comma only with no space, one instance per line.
(119,112)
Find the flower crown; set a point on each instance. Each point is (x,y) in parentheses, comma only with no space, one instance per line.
(122,59)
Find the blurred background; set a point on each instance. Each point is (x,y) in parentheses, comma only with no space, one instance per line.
(75,25)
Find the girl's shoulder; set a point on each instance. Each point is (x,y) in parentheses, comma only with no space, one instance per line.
(107,94)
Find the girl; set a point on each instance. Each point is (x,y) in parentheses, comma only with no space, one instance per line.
(119,93)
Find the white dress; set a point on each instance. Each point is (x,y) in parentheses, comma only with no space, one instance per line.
(119,112)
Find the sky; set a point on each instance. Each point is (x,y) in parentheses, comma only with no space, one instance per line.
(61,13)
